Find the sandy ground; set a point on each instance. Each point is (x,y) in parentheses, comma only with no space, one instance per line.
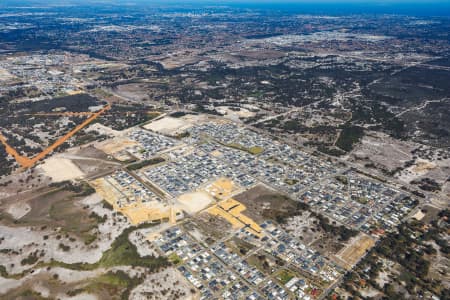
(168,125)
(5,75)
(194,202)
(235,115)
(418,215)
(355,249)
(384,150)
(168,279)
(27,240)
(143,245)
(18,210)
(116,144)
(102,129)
(300,227)
(223,188)
(21,184)
(61,169)
(65,276)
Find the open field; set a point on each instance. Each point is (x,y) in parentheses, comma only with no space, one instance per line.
(355,249)
(262,203)
(211,227)
(61,169)
(115,145)
(222,188)
(194,202)
(168,125)
(58,209)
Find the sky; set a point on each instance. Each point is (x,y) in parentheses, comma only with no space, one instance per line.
(410,7)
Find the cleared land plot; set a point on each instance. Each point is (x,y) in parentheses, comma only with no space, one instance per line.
(61,169)
(168,125)
(263,203)
(265,262)
(355,249)
(222,188)
(211,227)
(115,145)
(239,246)
(194,202)
(232,211)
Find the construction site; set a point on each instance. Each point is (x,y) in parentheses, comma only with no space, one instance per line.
(232,211)
(134,200)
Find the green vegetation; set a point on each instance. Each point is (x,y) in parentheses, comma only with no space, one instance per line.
(350,135)
(341,231)
(89,238)
(330,151)
(342,179)
(362,200)
(114,282)
(412,249)
(74,220)
(292,125)
(284,276)
(3,272)
(82,189)
(63,247)
(175,259)
(29,294)
(291,181)
(107,205)
(182,135)
(145,163)
(30,260)
(255,150)
(121,253)
(178,114)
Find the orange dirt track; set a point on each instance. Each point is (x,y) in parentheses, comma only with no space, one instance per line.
(29,162)
(68,114)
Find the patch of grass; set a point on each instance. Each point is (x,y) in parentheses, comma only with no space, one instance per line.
(89,238)
(291,181)
(3,272)
(284,276)
(74,220)
(182,135)
(236,146)
(175,259)
(362,200)
(255,150)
